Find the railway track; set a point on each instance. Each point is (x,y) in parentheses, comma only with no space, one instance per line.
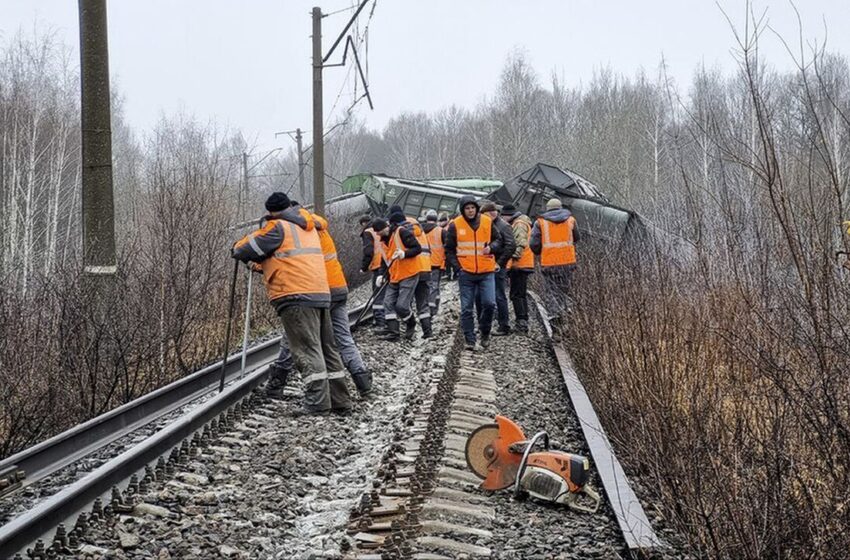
(389,482)
(132,467)
(425,502)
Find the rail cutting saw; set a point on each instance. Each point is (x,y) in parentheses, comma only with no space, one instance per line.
(502,455)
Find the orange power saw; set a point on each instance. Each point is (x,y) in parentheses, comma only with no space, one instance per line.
(501,455)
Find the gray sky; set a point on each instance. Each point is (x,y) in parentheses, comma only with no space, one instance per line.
(247,63)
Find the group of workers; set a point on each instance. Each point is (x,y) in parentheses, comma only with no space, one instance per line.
(490,251)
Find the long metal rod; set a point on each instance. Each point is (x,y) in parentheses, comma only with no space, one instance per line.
(345,30)
(247,330)
(231,304)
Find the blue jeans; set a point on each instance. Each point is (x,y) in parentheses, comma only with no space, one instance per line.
(483,287)
(502,314)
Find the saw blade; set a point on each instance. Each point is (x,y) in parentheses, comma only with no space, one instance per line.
(479,450)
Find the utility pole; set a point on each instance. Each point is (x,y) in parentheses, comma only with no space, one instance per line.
(301,188)
(97,198)
(318,125)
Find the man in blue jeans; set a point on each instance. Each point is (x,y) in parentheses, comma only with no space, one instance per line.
(471,244)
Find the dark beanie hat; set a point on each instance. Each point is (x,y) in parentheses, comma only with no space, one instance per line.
(397,216)
(393,209)
(508,210)
(365,220)
(378,224)
(277,201)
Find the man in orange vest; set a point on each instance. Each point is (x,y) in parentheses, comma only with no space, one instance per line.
(410,270)
(374,261)
(521,265)
(436,241)
(471,245)
(553,238)
(339,312)
(289,252)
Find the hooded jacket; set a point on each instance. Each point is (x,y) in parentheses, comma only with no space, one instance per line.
(289,252)
(557,216)
(451,233)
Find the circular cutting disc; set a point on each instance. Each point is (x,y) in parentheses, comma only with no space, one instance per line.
(479,452)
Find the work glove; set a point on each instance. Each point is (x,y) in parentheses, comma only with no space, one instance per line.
(379,281)
(398,255)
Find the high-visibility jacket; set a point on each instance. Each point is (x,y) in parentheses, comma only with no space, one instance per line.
(438,252)
(333,268)
(471,243)
(424,257)
(557,247)
(295,272)
(378,254)
(402,269)
(526,259)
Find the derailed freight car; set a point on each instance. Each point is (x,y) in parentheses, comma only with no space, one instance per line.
(599,220)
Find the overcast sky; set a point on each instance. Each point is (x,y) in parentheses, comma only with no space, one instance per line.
(247,63)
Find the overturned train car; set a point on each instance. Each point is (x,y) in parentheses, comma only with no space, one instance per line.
(529,191)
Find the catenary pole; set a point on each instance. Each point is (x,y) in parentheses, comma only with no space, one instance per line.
(318,125)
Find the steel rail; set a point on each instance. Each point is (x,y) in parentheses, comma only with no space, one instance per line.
(64,506)
(631,518)
(41,460)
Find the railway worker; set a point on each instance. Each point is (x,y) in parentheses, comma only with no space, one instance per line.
(553,238)
(471,245)
(521,265)
(436,241)
(289,250)
(508,245)
(345,344)
(409,270)
(374,261)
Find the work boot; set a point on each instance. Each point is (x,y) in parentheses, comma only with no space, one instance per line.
(392,333)
(503,330)
(363,381)
(410,328)
(522,326)
(426,328)
(485,341)
(277,381)
(470,345)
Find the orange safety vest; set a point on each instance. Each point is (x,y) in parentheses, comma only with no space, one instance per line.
(333,268)
(404,268)
(296,270)
(378,254)
(471,243)
(438,252)
(424,258)
(557,247)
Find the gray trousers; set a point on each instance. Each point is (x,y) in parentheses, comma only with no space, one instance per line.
(399,297)
(309,332)
(434,291)
(557,281)
(348,348)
